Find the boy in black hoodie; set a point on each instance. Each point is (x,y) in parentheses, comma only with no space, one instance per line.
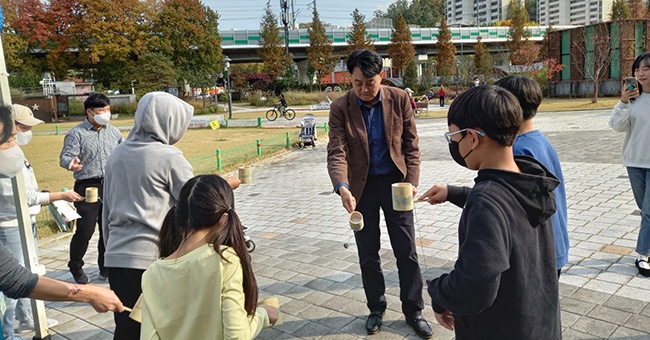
(504,283)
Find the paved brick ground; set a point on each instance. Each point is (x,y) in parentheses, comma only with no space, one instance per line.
(300,229)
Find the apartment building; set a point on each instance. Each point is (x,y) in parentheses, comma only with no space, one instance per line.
(549,12)
(476,12)
(574,12)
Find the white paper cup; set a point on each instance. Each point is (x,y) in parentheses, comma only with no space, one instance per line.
(402,196)
(356,221)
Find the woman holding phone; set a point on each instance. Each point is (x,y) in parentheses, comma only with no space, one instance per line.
(631,116)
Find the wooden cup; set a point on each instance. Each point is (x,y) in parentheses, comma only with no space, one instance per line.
(356,221)
(402,196)
(91,195)
(245,175)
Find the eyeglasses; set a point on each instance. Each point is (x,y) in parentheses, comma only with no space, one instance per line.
(463,132)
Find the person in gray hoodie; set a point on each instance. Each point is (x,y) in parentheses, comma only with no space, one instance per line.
(144,177)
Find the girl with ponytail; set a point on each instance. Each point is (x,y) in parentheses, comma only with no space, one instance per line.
(203,287)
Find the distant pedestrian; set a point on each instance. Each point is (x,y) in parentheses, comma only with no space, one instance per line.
(442,94)
(477,82)
(632,116)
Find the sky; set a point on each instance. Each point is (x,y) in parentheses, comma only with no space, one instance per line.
(247,14)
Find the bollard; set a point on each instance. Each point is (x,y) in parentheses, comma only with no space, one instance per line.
(288,140)
(219,165)
(327,128)
(226,122)
(259,148)
(259,121)
(56,128)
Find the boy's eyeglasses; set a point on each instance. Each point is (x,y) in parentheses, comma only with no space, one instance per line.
(463,132)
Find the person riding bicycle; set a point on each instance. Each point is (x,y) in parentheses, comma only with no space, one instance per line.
(282,104)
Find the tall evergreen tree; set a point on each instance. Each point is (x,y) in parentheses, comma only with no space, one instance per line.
(358,37)
(272,51)
(410,77)
(319,51)
(518,32)
(620,10)
(446,57)
(483,63)
(401,49)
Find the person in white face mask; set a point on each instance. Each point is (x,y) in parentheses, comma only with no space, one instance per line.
(16,281)
(9,233)
(85,150)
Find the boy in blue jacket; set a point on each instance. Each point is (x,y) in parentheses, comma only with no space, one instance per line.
(532,142)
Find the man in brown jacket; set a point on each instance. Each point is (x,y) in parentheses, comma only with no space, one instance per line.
(373,143)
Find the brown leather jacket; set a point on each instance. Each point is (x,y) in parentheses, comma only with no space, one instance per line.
(348,155)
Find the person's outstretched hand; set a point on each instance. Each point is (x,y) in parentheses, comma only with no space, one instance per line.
(272,312)
(435,195)
(103,299)
(234,182)
(75,165)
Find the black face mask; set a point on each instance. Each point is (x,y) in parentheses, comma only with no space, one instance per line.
(455,153)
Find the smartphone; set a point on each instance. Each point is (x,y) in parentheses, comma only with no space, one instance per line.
(630,83)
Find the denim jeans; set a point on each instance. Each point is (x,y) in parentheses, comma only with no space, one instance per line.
(21,309)
(640,182)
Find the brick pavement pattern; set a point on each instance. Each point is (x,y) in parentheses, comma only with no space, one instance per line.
(300,229)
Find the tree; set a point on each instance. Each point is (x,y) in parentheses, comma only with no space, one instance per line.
(483,63)
(620,10)
(425,13)
(189,35)
(590,54)
(397,8)
(426,80)
(358,37)
(401,49)
(272,52)
(637,9)
(518,33)
(446,57)
(531,8)
(410,77)
(319,51)
(152,72)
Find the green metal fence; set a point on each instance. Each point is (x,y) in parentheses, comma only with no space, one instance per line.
(221,161)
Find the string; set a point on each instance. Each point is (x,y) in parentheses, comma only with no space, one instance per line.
(416,222)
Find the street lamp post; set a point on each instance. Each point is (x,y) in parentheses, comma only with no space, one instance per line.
(226,72)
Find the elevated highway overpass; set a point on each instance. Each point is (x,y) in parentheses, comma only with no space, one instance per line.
(242,45)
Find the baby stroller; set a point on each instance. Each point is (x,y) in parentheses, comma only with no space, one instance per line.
(307,134)
(250,245)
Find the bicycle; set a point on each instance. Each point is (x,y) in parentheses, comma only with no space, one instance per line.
(273,114)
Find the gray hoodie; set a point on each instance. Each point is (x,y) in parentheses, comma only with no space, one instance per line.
(144,177)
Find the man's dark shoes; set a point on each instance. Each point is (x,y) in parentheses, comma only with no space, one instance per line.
(420,325)
(374,322)
(80,276)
